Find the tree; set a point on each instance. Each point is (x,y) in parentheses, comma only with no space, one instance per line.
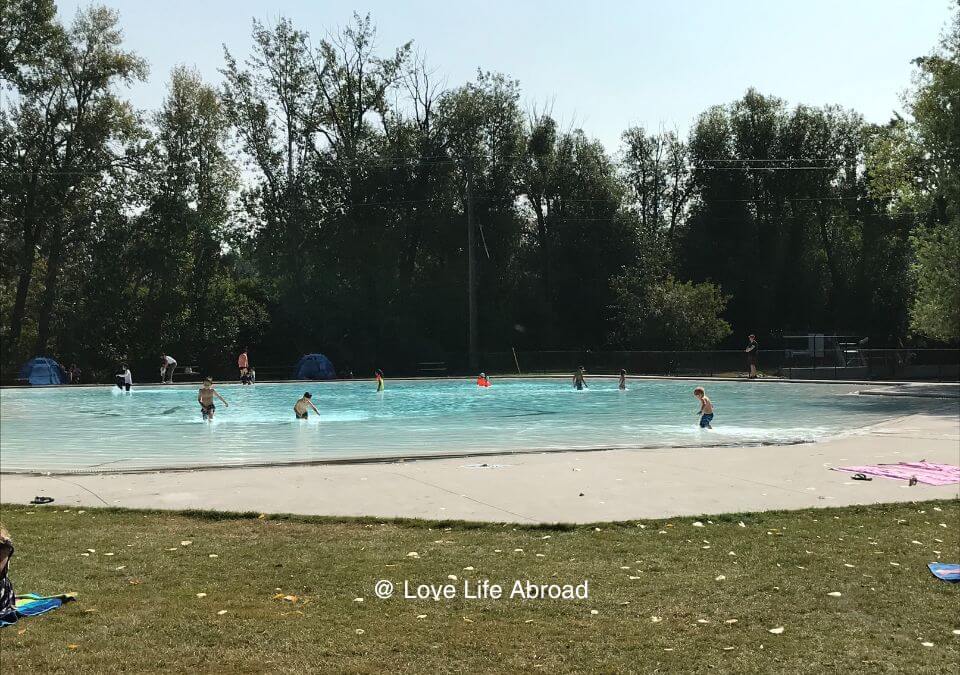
(668,313)
(69,134)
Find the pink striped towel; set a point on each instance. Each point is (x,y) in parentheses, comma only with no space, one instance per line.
(930,473)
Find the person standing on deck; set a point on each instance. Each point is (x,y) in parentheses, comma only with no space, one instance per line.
(752,352)
(168,364)
(243,363)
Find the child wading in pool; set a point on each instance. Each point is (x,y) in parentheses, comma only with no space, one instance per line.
(578,380)
(706,408)
(205,398)
(380,383)
(623,380)
(302,407)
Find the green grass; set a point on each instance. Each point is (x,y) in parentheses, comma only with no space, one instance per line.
(146,616)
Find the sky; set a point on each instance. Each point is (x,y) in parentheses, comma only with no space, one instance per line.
(600,65)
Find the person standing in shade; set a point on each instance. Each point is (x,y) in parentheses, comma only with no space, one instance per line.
(243,363)
(623,380)
(578,380)
(168,364)
(752,352)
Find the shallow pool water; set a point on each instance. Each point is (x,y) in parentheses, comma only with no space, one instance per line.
(154,426)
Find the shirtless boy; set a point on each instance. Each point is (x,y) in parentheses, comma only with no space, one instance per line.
(706,408)
(205,398)
(302,407)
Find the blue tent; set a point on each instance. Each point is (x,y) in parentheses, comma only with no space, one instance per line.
(314,367)
(41,370)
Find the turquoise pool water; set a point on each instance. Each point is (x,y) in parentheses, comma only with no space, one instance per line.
(102,429)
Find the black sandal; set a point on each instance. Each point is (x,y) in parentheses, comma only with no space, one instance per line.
(42,500)
(861,476)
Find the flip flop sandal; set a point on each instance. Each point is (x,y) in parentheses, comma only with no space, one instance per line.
(42,500)
(861,476)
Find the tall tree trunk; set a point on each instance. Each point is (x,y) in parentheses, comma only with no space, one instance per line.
(54,263)
(23,288)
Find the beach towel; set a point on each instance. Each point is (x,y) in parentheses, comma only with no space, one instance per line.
(946,571)
(930,473)
(33,605)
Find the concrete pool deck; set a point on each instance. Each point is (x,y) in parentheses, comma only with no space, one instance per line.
(569,487)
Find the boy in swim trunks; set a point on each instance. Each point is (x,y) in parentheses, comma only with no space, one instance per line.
(578,382)
(302,407)
(205,399)
(706,408)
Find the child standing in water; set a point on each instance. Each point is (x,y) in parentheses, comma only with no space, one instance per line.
(483,380)
(578,380)
(623,379)
(205,399)
(380,383)
(302,407)
(124,378)
(706,408)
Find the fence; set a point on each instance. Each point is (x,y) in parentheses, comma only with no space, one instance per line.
(857,364)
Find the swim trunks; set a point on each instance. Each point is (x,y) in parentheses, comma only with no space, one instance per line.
(207,410)
(301,416)
(705,420)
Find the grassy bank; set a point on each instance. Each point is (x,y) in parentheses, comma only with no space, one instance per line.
(283,594)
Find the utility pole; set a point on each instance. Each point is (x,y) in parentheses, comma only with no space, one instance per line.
(474,357)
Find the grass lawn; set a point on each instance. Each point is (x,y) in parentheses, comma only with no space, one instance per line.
(282,594)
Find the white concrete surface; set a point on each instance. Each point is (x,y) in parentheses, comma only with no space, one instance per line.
(558,487)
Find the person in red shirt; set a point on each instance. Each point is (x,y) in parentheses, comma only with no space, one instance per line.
(483,381)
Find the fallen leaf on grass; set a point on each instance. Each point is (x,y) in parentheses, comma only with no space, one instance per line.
(75,646)
(655,619)
(22,631)
(834,594)
(201,595)
(730,621)
(594,611)
(468,620)
(91,550)
(421,616)
(85,555)
(720,578)
(122,567)
(108,554)
(452,577)
(927,644)
(703,621)
(741,524)
(221,612)
(468,569)
(697,524)
(727,649)
(213,555)
(358,599)
(185,543)
(359,631)
(776,631)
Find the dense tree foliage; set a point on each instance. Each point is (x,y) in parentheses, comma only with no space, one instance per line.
(321,199)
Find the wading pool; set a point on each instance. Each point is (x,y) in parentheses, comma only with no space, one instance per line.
(67,429)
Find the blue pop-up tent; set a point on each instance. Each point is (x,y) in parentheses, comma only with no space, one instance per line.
(41,370)
(314,367)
